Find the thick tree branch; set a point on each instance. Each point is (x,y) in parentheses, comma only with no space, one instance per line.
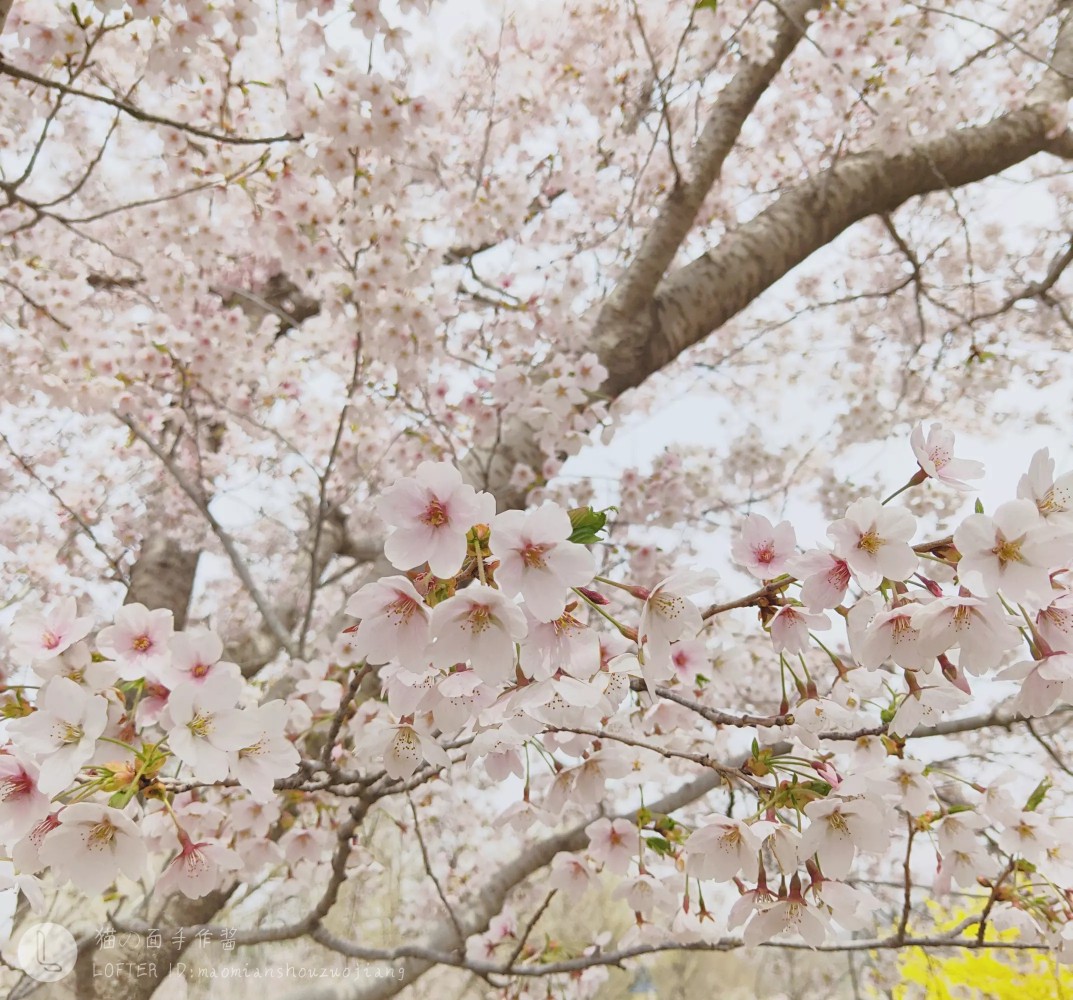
(720,133)
(700,297)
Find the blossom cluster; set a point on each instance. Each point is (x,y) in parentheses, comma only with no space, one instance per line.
(499,637)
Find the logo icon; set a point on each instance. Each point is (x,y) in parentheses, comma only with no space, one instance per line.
(47,952)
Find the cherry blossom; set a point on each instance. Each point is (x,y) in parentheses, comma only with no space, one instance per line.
(537,560)
(407,748)
(613,843)
(22,803)
(825,578)
(195,656)
(668,614)
(479,625)
(1052,496)
(198,869)
(203,726)
(430,515)
(92,845)
(62,734)
(1011,550)
(138,641)
(762,549)
(936,457)
(839,828)
(43,635)
(721,849)
(268,755)
(790,628)
(394,622)
(874,541)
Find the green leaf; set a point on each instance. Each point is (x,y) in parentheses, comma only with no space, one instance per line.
(587,524)
(661,846)
(1038,795)
(712,5)
(979,506)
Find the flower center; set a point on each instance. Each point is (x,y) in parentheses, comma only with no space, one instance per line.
(533,554)
(69,732)
(200,725)
(1007,550)
(199,670)
(870,542)
(141,644)
(101,835)
(939,457)
(765,553)
(15,785)
(838,822)
(50,640)
(401,610)
(480,617)
(435,514)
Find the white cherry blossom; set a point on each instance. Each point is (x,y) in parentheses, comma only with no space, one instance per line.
(204,726)
(668,614)
(481,625)
(1052,496)
(874,541)
(268,755)
(722,848)
(394,623)
(92,845)
(62,734)
(1012,550)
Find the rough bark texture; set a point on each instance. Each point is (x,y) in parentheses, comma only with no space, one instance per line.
(163,577)
(700,297)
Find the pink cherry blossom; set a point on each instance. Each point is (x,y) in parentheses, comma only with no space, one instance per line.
(198,869)
(22,803)
(936,457)
(537,560)
(195,656)
(825,578)
(138,641)
(430,515)
(764,550)
(790,628)
(612,843)
(41,636)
